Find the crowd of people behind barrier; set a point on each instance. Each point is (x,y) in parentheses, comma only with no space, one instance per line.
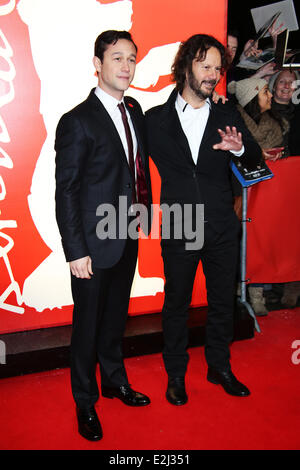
(269,102)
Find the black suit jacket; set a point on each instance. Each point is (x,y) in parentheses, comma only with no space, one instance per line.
(92,169)
(209,181)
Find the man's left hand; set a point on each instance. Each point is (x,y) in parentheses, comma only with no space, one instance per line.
(231,140)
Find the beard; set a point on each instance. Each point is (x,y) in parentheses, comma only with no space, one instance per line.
(196,86)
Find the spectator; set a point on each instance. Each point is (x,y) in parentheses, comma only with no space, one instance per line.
(283,85)
(254,104)
(232,45)
(294,138)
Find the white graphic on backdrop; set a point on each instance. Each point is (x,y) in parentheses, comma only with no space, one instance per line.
(6,242)
(62,35)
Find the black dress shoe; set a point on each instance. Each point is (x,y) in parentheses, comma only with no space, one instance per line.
(126,395)
(88,424)
(228,381)
(176,394)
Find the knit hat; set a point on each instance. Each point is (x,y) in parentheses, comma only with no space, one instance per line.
(245,90)
(275,76)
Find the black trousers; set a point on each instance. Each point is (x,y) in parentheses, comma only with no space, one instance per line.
(219,257)
(99,321)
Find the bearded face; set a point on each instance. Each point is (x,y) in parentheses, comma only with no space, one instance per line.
(205,74)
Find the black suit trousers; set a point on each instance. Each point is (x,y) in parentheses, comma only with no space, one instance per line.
(219,257)
(99,321)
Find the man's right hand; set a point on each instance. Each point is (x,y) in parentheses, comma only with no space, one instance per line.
(82,267)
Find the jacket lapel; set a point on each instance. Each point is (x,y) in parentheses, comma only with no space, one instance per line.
(105,121)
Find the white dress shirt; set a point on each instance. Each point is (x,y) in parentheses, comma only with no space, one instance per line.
(111,105)
(193,122)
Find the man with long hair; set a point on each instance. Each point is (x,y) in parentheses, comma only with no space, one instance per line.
(191,141)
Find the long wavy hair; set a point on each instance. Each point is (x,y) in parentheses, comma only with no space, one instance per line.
(195,47)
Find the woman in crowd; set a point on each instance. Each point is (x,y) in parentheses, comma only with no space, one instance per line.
(283,86)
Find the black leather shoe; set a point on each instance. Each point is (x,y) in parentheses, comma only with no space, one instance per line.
(176,394)
(126,395)
(88,424)
(228,381)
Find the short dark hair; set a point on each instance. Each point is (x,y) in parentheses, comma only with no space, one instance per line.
(253,109)
(234,33)
(195,46)
(110,37)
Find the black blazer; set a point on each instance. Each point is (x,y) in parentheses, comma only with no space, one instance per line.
(92,169)
(209,181)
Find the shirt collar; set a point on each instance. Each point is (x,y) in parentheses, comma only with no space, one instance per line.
(108,101)
(183,105)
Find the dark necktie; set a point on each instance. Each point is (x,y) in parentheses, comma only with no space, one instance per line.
(141,180)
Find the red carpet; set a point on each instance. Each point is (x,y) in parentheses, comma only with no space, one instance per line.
(37,411)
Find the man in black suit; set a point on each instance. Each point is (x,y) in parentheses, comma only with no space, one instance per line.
(101,159)
(191,140)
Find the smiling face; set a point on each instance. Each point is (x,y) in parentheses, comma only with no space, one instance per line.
(283,88)
(265,99)
(116,70)
(204,76)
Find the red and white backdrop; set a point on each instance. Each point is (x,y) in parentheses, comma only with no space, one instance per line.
(46,50)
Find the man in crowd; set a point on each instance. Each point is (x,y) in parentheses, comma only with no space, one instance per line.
(285,106)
